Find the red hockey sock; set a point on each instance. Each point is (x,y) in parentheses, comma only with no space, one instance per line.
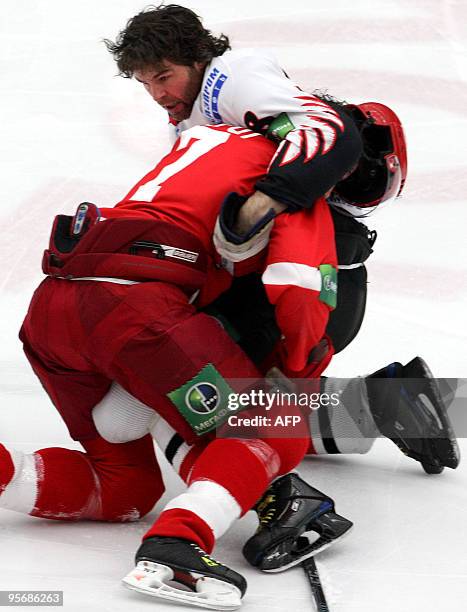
(243,467)
(67,486)
(112,482)
(181,523)
(7,468)
(189,461)
(290,450)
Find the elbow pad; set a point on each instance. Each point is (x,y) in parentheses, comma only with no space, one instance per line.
(304,169)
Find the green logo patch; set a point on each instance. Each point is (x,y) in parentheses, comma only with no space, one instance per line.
(203,400)
(328,293)
(280,127)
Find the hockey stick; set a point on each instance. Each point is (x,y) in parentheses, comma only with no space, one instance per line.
(276,377)
(311,571)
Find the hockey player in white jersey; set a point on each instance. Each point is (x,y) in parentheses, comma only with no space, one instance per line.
(198,80)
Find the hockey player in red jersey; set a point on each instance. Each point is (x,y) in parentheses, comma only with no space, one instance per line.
(116,308)
(139,334)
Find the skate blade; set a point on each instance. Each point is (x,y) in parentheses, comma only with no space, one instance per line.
(435,407)
(445,443)
(313,549)
(149,578)
(441,438)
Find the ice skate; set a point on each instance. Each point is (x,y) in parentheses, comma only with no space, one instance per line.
(407,407)
(177,570)
(296,522)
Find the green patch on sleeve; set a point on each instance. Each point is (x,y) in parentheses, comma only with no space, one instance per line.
(280,127)
(328,293)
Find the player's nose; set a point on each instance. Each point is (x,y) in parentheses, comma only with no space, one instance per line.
(156,91)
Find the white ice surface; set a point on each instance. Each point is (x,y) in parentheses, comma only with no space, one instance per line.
(72,131)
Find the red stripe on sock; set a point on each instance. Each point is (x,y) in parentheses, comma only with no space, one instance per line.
(180,523)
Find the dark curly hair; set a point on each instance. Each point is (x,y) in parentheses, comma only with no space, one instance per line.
(161,32)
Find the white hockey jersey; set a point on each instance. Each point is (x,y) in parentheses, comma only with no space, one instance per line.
(243,81)
(247,87)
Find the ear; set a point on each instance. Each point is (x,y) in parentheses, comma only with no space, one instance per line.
(200,66)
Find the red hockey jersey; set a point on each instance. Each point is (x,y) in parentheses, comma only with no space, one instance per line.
(186,190)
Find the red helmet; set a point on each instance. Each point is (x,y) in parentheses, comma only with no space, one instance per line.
(382,169)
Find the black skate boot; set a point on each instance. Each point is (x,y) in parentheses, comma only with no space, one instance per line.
(287,511)
(407,408)
(178,570)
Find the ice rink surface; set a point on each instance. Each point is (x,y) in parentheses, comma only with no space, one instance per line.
(72,131)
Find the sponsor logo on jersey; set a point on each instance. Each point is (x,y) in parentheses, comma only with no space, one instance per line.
(164,250)
(210,94)
(203,400)
(328,293)
(170,251)
(329,284)
(280,127)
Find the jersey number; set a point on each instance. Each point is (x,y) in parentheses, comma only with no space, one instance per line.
(196,141)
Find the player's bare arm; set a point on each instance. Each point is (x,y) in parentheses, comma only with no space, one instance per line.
(254,209)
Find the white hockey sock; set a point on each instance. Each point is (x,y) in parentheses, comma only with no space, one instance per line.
(211,502)
(347,427)
(170,442)
(19,491)
(120,417)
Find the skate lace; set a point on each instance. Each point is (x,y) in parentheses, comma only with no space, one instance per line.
(205,556)
(266,510)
